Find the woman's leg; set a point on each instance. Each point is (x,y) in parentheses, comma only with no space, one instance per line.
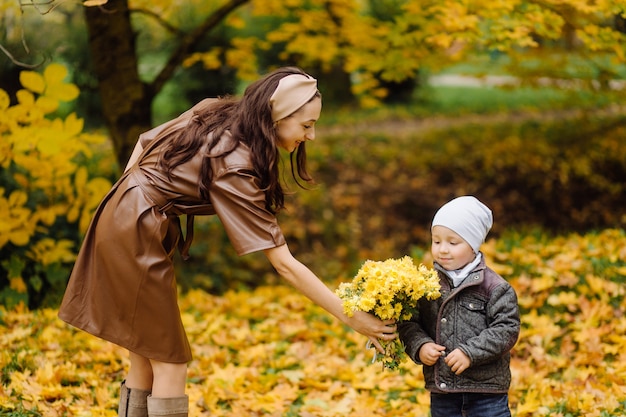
(140,373)
(168,390)
(169,379)
(135,389)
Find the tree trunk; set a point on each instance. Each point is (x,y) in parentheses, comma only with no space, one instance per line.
(126,100)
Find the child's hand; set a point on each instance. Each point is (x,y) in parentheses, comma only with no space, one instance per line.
(458,361)
(430,352)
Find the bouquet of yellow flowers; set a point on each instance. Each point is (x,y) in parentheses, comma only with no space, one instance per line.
(390,290)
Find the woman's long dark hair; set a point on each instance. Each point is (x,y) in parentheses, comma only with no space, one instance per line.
(250,122)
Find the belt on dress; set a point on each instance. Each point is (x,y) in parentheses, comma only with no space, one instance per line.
(168,208)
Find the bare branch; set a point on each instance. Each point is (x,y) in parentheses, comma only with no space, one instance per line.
(168,26)
(19,63)
(37,5)
(8,54)
(190,41)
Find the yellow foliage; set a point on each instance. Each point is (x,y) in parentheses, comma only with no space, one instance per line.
(17,283)
(209,59)
(273,352)
(93,3)
(48,251)
(56,88)
(240,56)
(45,182)
(389,43)
(50,88)
(15,225)
(33,81)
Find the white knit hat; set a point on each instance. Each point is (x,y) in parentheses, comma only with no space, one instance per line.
(467,217)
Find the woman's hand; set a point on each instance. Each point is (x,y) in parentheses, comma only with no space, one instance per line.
(310,285)
(375,329)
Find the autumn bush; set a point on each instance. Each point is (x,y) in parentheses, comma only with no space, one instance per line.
(272,352)
(47,192)
(378,192)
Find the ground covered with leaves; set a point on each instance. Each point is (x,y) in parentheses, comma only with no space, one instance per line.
(272,352)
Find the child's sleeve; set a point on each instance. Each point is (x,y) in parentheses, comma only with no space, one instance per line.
(413,337)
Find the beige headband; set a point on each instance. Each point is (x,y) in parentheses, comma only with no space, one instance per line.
(293,92)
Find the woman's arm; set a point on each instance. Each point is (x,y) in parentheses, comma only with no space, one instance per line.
(310,285)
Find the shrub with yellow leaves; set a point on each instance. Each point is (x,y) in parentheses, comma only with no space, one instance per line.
(47,197)
(390,290)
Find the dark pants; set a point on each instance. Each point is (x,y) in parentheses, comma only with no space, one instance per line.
(469,405)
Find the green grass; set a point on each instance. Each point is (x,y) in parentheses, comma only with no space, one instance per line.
(566,63)
(459,100)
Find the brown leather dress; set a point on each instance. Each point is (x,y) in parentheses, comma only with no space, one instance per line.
(122,287)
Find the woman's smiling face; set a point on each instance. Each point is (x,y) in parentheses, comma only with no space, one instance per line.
(300,126)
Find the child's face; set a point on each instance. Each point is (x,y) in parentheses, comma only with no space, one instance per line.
(449,249)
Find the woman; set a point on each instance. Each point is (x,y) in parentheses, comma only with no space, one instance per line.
(221,157)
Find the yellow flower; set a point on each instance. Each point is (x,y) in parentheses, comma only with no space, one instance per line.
(390,290)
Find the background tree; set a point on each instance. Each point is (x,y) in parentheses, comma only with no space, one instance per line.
(144,65)
(370,48)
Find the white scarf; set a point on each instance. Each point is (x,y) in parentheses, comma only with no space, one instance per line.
(458,275)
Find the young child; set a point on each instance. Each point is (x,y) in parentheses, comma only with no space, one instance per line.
(464,338)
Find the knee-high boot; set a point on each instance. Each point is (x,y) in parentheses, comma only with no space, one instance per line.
(133,402)
(171,407)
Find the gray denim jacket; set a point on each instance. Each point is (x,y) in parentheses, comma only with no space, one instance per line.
(480,317)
